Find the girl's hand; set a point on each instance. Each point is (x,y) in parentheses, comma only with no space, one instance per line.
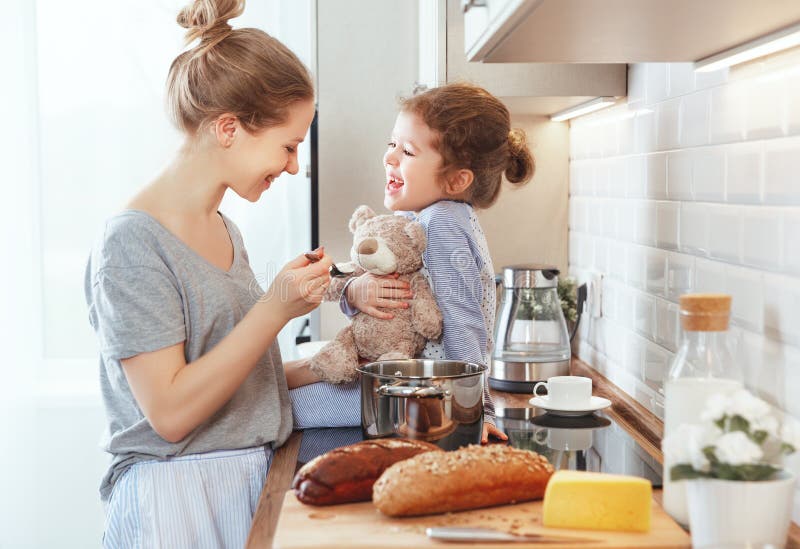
(299,287)
(368,292)
(489,429)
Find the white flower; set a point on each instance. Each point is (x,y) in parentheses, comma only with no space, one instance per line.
(766,423)
(736,449)
(790,434)
(685,445)
(739,403)
(744,403)
(715,408)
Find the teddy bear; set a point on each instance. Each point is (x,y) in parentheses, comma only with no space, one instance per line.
(382,244)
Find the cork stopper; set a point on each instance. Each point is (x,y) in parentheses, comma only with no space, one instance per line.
(705,312)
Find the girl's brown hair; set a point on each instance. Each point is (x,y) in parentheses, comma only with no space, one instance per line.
(474,132)
(245,72)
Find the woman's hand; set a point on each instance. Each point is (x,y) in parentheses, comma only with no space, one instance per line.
(368,292)
(489,429)
(299,287)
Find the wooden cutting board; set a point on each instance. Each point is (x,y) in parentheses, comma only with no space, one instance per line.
(361,525)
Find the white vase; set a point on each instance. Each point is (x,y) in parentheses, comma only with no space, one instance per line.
(728,513)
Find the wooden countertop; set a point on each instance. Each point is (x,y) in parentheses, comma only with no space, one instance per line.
(639,422)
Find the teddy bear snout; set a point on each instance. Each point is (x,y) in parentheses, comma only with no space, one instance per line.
(368,246)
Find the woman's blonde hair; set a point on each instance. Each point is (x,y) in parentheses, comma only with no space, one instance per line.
(245,72)
(474,131)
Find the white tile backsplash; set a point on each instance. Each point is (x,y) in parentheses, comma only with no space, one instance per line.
(655,265)
(724,231)
(728,106)
(694,119)
(656,184)
(693,232)
(791,239)
(679,175)
(666,324)
(782,308)
(746,286)
(743,173)
(708,174)
(669,118)
(680,275)
(698,192)
(645,131)
(762,244)
(782,171)
(681,78)
(668,218)
(635,176)
(646,223)
(657,83)
(792,98)
(764,109)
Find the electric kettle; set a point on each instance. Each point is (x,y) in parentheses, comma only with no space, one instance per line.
(531,341)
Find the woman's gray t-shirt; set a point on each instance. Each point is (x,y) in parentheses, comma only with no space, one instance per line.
(147,290)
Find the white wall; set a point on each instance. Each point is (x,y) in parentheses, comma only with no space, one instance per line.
(366,59)
(528,224)
(692,186)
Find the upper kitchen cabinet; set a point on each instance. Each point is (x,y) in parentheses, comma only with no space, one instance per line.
(530,88)
(616,31)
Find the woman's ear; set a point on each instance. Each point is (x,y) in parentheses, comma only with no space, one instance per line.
(225,128)
(459,181)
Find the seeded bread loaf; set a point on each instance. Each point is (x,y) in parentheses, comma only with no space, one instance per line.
(468,478)
(346,474)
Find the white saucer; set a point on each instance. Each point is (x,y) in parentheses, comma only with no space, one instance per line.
(595,404)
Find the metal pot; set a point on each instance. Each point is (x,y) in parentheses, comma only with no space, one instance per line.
(438,401)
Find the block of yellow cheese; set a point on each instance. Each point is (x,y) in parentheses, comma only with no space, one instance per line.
(597,501)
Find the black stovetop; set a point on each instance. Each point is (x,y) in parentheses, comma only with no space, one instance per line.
(589,443)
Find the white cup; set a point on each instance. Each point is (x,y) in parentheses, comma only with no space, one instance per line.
(567,391)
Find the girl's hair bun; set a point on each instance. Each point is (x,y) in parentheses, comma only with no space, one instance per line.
(208,19)
(521,165)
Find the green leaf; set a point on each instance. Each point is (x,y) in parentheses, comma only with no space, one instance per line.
(787,448)
(708,451)
(749,471)
(684,471)
(721,423)
(738,423)
(759,437)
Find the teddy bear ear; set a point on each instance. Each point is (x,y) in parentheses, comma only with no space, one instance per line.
(360,216)
(416,233)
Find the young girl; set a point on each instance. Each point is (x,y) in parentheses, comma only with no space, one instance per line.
(446,157)
(192,381)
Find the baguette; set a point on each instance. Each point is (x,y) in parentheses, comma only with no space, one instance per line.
(468,478)
(346,474)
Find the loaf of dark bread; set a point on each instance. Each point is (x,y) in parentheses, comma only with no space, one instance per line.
(468,478)
(346,474)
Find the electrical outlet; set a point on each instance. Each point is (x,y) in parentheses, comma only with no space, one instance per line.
(595,297)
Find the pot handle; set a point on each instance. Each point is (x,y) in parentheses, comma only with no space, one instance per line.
(404,391)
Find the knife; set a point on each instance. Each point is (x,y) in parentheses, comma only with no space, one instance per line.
(452,533)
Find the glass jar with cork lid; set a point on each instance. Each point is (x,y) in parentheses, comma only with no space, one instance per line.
(703,366)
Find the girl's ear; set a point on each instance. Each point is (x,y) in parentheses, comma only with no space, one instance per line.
(225,128)
(459,181)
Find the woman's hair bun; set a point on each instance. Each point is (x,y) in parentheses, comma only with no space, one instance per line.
(520,160)
(208,19)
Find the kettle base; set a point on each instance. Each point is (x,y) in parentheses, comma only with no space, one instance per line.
(512,386)
(520,377)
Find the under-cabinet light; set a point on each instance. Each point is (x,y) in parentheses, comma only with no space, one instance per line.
(590,106)
(783,39)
